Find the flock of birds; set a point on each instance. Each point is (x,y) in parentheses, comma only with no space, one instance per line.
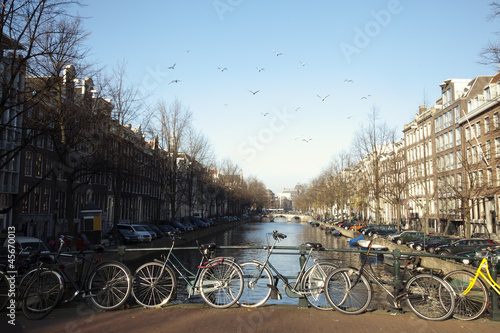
(254,92)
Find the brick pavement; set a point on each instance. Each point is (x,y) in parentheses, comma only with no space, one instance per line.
(270,318)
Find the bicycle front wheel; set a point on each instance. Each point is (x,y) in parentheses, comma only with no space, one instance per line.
(348,291)
(221,284)
(429,297)
(314,285)
(257,280)
(42,295)
(109,285)
(154,285)
(472,305)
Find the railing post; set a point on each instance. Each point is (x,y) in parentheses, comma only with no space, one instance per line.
(121,253)
(495,313)
(302,262)
(396,255)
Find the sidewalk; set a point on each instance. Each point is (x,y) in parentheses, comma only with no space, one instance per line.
(272,318)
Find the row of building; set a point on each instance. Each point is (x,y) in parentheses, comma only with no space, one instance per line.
(450,155)
(36,197)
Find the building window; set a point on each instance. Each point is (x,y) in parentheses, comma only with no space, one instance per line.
(457,113)
(489,175)
(496,120)
(26,199)
(498,175)
(38,165)
(457,136)
(467,134)
(28,163)
(459,159)
(497,147)
(488,150)
(478,129)
(487,125)
(480,178)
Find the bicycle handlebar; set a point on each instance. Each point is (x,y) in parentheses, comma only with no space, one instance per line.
(277,235)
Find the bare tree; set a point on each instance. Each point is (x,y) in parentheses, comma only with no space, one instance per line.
(490,54)
(367,143)
(174,123)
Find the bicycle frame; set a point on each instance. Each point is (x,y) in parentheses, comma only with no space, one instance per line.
(291,290)
(191,279)
(79,281)
(487,278)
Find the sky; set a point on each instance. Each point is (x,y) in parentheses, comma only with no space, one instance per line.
(325,65)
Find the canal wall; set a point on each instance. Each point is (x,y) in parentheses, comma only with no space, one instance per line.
(427,260)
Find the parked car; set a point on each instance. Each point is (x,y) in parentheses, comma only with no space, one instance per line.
(385,230)
(419,244)
(198,223)
(357,226)
(367,227)
(477,253)
(125,237)
(180,226)
(395,236)
(144,235)
(166,228)
(158,231)
(431,247)
(463,245)
(28,244)
(406,237)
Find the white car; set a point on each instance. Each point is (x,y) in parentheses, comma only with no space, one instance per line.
(28,244)
(139,230)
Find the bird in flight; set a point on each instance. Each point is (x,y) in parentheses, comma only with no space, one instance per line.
(172,67)
(277,53)
(306,140)
(264,114)
(322,98)
(175,81)
(348,117)
(222,69)
(302,63)
(254,92)
(297,109)
(365,97)
(348,80)
(260,69)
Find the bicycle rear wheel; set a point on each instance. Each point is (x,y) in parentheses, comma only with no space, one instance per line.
(256,284)
(429,297)
(314,285)
(154,284)
(472,305)
(221,284)
(42,295)
(348,291)
(110,285)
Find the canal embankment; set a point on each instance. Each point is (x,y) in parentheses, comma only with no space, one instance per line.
(426,260)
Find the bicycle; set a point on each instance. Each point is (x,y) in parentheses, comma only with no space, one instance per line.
(260,283)
(471,292)
(107,284)
(349,290)
(218,280)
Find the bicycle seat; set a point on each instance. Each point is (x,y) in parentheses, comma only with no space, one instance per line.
(315,246)
(209,246)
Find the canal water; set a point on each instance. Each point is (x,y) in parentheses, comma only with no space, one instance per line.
(254,234)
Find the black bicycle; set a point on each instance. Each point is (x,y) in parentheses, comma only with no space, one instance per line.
(106,284)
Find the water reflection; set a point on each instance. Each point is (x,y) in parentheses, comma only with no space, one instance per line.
(286,261)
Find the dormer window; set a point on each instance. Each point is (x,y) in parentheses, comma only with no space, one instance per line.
(487,93)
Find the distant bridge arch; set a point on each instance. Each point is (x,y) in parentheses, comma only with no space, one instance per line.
(290,217)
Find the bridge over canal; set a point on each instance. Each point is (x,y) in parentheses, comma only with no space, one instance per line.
(289,217)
